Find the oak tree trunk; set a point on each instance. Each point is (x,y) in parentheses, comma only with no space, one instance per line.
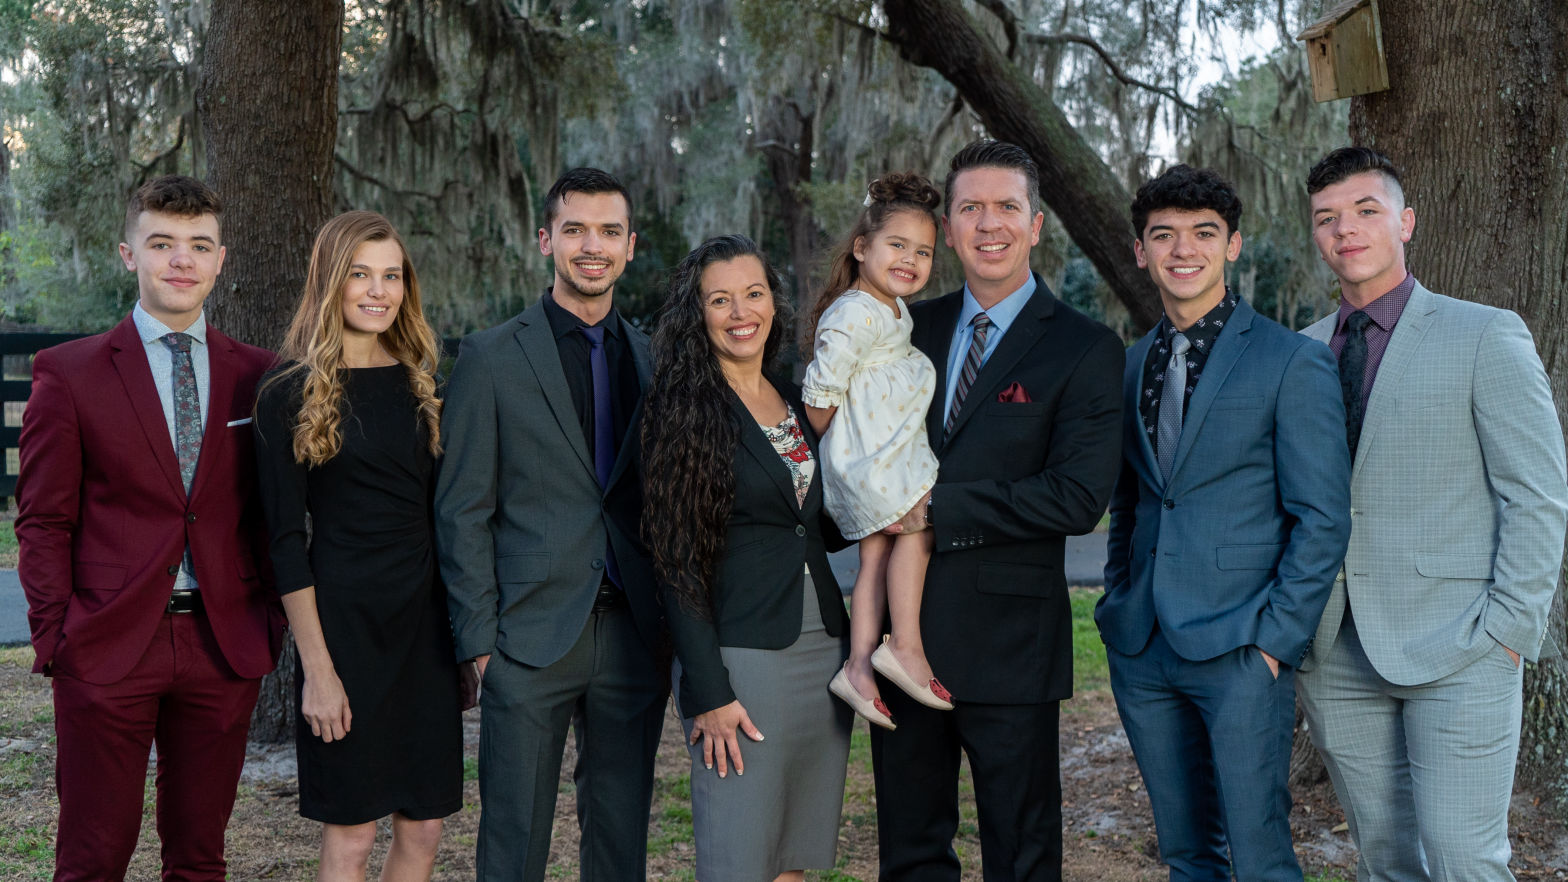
(1476,115)
(1075,183)
(268,106)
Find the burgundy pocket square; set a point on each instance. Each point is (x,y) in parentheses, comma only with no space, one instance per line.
(1014,394)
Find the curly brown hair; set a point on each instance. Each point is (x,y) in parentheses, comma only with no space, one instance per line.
(689,429)
(886,197)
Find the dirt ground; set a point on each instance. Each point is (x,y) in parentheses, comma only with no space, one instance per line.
(1108,834)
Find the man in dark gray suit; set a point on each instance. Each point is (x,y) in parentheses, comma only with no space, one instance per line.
(536,526)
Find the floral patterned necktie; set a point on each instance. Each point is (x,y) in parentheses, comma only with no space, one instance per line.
(187,406)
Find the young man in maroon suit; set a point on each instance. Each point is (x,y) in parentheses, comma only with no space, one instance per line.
(140,541)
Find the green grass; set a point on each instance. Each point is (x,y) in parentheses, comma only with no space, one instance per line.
(1089,668)
(7,537)
(1311,878)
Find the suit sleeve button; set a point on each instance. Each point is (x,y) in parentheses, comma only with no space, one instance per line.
(800,530)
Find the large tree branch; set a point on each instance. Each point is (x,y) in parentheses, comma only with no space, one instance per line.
(1075,182)
(1116,69)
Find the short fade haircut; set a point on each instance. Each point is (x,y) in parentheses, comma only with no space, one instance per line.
(1187,189)
(1347,162)
(583,180)
(986,153)
(178,195)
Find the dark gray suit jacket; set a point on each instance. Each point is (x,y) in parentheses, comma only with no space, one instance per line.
(521,522)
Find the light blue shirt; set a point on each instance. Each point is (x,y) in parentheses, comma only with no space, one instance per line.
(161,361)
(1001,315)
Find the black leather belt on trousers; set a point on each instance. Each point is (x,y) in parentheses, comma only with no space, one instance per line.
(609,597)
(182,602)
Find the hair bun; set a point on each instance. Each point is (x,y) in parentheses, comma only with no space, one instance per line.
(904,188)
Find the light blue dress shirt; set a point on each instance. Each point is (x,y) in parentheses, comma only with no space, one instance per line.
(1001,315)
(161,361)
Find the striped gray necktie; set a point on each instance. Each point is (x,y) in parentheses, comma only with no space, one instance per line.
(982,325)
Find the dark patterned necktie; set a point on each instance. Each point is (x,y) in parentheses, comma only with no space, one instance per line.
(187,406)
(1352,375)
(972,361)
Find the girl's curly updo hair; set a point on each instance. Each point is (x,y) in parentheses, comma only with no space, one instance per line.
(887,196)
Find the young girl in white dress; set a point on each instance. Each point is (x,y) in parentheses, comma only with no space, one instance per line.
(866,392)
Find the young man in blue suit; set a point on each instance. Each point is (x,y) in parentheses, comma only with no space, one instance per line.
(1228,523)
(1414,683)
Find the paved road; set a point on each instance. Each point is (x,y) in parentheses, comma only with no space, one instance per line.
(1085,563)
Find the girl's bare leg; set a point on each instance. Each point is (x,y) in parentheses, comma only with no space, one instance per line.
(345,850)
(866,606)
(412,856)
(906,580)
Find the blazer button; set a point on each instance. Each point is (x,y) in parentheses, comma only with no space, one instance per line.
(1151,552)
(1170,504)
(800,530)
(598,564)
(190,517)
(174,570)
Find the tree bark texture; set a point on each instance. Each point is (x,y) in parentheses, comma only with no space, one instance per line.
(1075,183)
(268,103)
(268,106)
(1476,116)
(790,139)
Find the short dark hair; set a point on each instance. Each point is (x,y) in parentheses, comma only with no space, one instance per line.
(1348,161)
(1187,189)
(178,195)
(986,153)
(583,180)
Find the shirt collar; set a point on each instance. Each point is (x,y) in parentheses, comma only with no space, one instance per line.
(563,322)
(152,331)
(1384,311)
(1003,312)
(1203,331)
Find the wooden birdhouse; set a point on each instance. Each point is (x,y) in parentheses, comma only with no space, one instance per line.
(1345,51)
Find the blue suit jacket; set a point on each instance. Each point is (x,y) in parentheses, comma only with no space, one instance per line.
(1241,548)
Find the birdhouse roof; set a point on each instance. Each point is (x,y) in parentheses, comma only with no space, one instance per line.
(1334,16)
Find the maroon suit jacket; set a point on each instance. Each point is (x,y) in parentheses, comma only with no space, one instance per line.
(103,517)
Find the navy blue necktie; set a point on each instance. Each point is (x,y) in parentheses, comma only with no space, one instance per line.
(603,425)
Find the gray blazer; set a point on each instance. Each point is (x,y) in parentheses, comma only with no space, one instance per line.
(521,522)
(1458,495)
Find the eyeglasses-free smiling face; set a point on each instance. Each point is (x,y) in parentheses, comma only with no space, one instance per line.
(991,227)
(1185,253)
(737,310)
(895,261)
(1360,226)
(373,291)
(590,241)
(176,260)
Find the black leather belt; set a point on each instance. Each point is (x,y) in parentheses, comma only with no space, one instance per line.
(182,602)
(609,597)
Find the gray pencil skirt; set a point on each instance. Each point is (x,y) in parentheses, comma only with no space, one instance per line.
(783,814)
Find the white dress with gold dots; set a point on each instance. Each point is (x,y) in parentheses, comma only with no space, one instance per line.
(876,460)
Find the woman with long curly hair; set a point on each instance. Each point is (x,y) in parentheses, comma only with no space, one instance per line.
(734,520)
(347,435)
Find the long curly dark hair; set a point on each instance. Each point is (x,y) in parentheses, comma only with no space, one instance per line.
(689,429)
(886,197)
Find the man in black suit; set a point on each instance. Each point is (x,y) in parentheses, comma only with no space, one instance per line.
(1026,422)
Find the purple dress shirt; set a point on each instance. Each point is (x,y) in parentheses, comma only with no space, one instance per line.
(1384,312)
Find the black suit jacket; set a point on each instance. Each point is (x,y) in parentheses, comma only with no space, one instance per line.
(756,592)
(1016,479)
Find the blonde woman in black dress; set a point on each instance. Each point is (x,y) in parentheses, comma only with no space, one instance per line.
(347,432)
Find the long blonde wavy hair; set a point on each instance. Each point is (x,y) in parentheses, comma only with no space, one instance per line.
(314,342)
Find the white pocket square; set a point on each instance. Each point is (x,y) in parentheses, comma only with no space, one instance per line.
(243,422)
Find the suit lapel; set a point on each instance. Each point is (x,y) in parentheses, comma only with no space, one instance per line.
(1228,348)
(539,348)
(935,339)
(130,362)
(1402,348)
(1019,339)
(756,444)
(220,402)
(1139,450)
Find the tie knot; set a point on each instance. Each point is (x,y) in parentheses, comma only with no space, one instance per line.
(594,334)
(980,321)
(1357,321)
(178,342)
(1180,344)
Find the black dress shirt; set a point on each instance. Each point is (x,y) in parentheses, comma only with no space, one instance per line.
(1201,335)
(574,349)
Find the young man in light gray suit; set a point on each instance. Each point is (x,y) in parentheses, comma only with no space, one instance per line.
(1413,685)
(536,518)
(1227,525)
